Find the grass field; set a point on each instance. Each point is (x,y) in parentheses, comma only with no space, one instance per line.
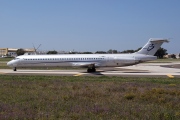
(60,97)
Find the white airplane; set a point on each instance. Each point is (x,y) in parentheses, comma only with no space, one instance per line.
(90,61)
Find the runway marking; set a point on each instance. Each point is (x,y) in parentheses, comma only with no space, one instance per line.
(170,76)
(77,75)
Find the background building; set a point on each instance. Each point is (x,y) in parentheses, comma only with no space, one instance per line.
(12,51)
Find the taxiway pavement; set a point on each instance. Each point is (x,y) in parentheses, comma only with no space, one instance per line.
(141,70)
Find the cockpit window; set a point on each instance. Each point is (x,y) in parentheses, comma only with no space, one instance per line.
(16,58)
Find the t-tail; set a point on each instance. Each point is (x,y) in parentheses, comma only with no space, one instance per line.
(152,46)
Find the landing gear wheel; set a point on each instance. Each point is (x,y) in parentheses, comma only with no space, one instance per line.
(14,69)
(88,70)
(91,70)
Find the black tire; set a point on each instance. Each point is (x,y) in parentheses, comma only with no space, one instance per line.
(93,69)
(15,69)
(88,70)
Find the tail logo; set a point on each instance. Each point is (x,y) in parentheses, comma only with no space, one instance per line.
(151,46)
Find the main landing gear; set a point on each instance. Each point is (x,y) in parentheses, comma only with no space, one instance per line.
(91,68)
(14,69)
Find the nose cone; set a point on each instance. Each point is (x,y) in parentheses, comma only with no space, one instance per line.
(10,64)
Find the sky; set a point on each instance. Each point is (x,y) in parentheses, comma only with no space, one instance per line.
(89,25)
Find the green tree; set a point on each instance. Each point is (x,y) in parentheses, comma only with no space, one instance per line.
(100,52)
(115,51)
(128,51)
(112,51)
(52,52)
(86,53)
(138,49)
(20,52)
(160,53)
(173,56)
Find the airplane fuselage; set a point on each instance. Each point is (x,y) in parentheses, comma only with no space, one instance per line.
(79,60)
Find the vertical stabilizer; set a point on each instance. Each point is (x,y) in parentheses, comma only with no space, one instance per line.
(152,46)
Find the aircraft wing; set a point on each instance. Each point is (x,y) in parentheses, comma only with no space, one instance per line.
(84,64)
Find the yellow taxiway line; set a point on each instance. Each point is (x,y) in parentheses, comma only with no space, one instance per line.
(77,75)
(170,76)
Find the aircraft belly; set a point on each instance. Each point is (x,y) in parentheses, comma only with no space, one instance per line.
(110,64)
(124,62)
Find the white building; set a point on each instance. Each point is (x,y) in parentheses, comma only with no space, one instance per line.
(12,51)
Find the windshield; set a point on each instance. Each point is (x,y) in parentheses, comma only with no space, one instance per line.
(16,58)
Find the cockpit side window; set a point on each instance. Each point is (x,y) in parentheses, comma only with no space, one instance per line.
(16,58)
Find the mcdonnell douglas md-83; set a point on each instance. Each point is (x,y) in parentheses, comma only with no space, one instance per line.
(90,61)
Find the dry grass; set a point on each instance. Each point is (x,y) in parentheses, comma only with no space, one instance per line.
(50,97)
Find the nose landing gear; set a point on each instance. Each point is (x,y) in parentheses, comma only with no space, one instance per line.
(14,69)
